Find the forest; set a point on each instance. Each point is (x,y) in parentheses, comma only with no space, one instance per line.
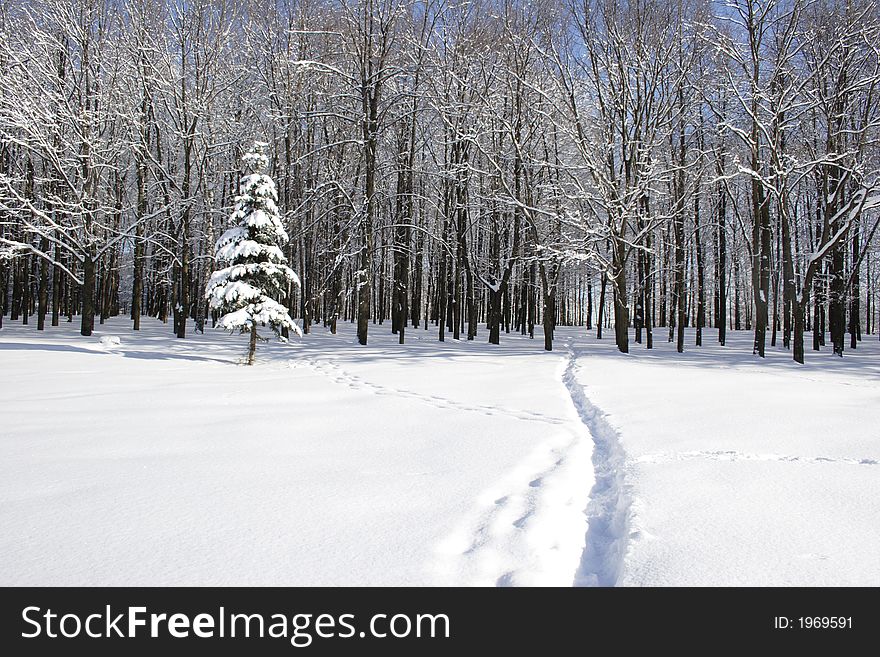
(468,167)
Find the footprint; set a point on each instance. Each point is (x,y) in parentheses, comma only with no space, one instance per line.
(341,377)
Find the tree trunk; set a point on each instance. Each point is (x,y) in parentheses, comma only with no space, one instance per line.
(639,315)
(43,293)
(855,295)
(416,303)
(442,294)
(370,127)
(788,285)
(15,309)
(679,273)
(549,319)
(589,304)
(252,345)
(799,312)
(88,297)
(363,293)
(137,287)
(701,275)
(761,250)
(837,301)
(402,236)
(721,265)
(648,287)
(25,289)
(56,288)
(776,289)
(621,311)
(494,316)
(3,287)
(471,306)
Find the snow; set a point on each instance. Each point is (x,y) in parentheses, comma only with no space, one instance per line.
(259,211)
(110,341)
(224,291)
(259,184)
(262,312)
(256,158)
(234,234)
(740,471)
(161,462)
(238,272)
(259,220)
(250,249)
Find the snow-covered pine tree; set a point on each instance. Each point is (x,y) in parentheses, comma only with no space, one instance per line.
(245,292)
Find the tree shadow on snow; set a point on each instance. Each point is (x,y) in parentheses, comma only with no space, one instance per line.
(737,354)
(29,346)
(118,351)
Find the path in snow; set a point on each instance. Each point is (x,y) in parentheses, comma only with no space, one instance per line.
(541,525)
(609,509)
(341,376)
(730,455)
(529,527)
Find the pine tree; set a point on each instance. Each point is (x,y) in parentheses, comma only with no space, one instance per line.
(245,291)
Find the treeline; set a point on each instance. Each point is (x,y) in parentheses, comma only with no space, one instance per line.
(470,166)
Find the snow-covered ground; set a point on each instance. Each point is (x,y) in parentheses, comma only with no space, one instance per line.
(742,472)
(151,460)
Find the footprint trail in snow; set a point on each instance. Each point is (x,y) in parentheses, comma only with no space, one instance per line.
(341,376)
(559,517)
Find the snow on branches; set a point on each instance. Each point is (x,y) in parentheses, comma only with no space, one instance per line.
(256,275)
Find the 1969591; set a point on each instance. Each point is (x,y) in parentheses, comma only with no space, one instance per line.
(813,622)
